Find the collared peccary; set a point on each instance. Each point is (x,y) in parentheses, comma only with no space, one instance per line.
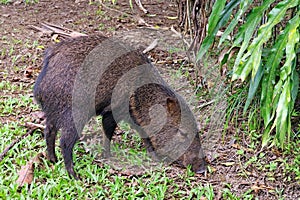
(95,75)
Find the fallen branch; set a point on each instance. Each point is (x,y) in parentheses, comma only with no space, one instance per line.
(33,128)
(42,30)
(50,29)
(63,30)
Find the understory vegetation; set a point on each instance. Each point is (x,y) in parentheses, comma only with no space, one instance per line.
(253,153)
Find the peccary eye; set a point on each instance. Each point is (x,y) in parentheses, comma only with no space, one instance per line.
(183,134)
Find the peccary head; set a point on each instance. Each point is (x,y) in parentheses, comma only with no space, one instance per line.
(194,156)
(166,119)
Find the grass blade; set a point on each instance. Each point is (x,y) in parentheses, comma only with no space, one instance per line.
(254,84)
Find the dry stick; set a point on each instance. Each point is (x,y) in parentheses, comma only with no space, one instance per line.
(43,30)
(140,5)
(16,141)
(151,46)
(62,30)
(179,35)
(55,29)
(206,104)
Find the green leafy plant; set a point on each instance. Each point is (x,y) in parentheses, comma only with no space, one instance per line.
(5,1)
(266,59)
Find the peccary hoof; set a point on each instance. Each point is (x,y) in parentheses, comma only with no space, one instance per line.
(72,174)
(52,158)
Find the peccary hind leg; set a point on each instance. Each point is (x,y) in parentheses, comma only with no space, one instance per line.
(109,126)
(68,139)
(50,135)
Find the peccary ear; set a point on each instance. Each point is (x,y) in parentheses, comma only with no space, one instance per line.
(173,106)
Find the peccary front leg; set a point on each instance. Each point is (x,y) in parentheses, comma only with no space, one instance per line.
(109,126)
(150,150)
(68,139)
(148,145)
(50,135)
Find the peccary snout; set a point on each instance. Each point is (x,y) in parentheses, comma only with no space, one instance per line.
(96,75)
(195,157)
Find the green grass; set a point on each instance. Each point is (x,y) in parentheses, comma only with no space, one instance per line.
(5,1)
(100,182)
(51,180)
(26,1)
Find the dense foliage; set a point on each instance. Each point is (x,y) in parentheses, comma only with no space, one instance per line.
(267,58)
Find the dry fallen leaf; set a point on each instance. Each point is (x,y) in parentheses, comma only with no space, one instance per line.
(28,72)
(227,164)
(26,172)
(257,188)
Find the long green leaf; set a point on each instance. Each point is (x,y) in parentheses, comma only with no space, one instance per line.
(295,89)
(281,120)
(268,81)
(285,103)
(244,5)
(215,15)
(254,84)
(252,63)
(245,34)
(275,99)
(264,33)
(217,19)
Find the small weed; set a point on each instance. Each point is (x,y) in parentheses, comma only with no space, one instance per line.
(11,105)
(227,194)
(101,27)
(31,1)
(100,12)
(5,1)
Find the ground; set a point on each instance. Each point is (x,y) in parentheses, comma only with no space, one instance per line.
(238,167)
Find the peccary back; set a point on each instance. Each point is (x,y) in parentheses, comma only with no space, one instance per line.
(96,75)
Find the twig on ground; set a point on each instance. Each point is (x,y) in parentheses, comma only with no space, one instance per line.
(206,104)
(32,127)
(50,29)
(140,5)
(180,35)
(151,46)
(43,30)
(35,126)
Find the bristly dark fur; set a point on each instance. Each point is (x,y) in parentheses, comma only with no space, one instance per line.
(54,91)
